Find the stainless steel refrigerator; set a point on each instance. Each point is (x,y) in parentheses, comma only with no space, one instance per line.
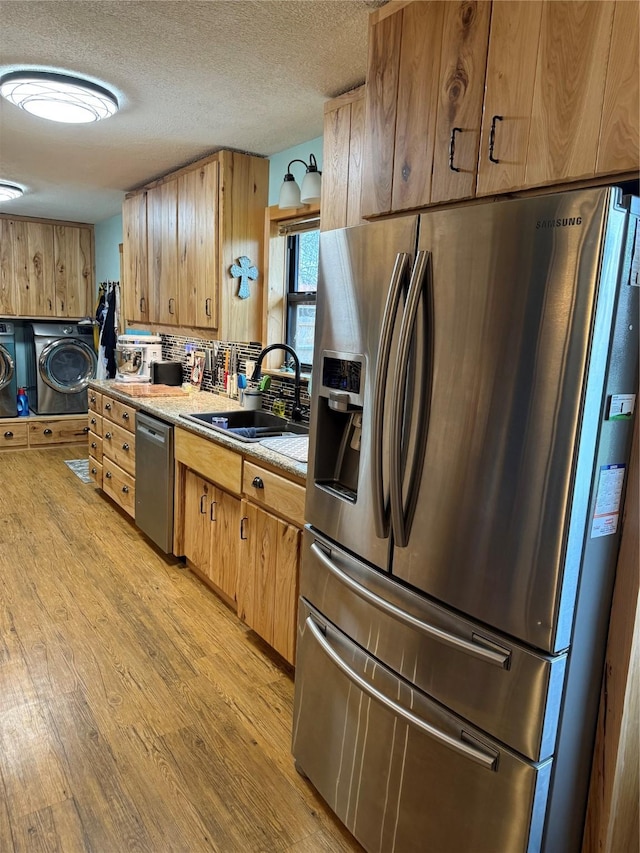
(474,384)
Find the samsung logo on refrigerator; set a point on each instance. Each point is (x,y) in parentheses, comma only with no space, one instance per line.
(558,223)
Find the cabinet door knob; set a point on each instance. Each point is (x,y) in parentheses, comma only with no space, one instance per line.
(108,475)
(125,489)
(48,432)
(107,406)
(94,470)
(125,447)
(107,435)
(452,148)
(492,138)
(92,398)
(93,445)
(94,421)
(85,430)
(125,416)
(8,434)
(257,483)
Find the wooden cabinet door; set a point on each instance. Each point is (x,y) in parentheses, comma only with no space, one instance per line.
(381,99)
(72,248)
(19,238)
(197,526)
(162,248)
(8,295)
(268,578)
(618,146)
(508,101)
(342,160)
(569,90)
(465,37)
(135,284)
(224,517)
(41,270)
(198,282)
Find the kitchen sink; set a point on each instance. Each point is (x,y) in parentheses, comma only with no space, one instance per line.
(248,425)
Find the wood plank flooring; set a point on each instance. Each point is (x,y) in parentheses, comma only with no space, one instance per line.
(136,712)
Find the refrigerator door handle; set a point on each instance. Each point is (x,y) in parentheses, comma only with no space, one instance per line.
(401,521)
(488,760)
(380,512)
(489,655)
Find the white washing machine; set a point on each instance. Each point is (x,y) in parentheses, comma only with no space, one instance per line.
(8,384)
(63,360)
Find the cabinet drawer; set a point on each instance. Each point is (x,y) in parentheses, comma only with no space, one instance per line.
(94,399)
(274,492)
(13,435)
(95,446)
(119,413)
(120,446)
(119,486)
(95,423)
(218,464)
(69,431)
(95,471)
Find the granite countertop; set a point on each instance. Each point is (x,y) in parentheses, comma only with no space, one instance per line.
(170,408)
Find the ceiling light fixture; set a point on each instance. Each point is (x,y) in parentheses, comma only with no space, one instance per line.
(291,195)
(9,191)
(58,97)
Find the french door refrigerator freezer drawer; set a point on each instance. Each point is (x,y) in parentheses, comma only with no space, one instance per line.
(399,770)
(508,690)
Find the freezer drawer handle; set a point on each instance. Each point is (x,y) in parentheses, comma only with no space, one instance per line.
(501,659)
(487,760)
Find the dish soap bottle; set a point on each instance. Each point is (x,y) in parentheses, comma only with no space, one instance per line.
(23,403)
(278,407)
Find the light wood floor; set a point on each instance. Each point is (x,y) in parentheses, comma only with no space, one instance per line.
(136,712)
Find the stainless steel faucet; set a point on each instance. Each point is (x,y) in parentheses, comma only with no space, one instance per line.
(296,412)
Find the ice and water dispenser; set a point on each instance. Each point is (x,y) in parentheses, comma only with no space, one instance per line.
(339,421)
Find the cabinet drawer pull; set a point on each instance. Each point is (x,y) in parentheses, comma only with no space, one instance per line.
(244,519)
(92,398)
(85,430)
(143,303)
(125,446)
(207,306)
(8,434)
(107,406)
(172,302)
(452,148)
(202,500)
(257,483)
(107,435)
(492,138)
(94,470)
(125,489)
(94,421)
(48,432)
(108,475)
(93,445)
(125,416)
(212,512)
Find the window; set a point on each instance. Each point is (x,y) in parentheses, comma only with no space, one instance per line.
(301,285)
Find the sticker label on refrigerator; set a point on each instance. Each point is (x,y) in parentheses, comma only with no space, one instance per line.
(608,497)
(621,407)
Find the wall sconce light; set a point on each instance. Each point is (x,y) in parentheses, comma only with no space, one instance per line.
(291,195)
(9,191)
(58,97)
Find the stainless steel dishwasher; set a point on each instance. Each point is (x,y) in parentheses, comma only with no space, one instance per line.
(154,480)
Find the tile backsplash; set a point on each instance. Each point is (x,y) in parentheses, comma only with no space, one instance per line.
(174,348)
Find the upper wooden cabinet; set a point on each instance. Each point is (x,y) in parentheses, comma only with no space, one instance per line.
(342,160)
(191,227)
(46,269)
(478,98)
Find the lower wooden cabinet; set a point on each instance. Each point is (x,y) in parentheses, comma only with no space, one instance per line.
(212,532)
(38,432)
(268,577)
(112,449)
(119,486)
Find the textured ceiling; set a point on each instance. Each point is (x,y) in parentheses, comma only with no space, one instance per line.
(191,77)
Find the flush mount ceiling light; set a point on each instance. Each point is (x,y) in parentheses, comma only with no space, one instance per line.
(9,191)
(291,195)
(58,97)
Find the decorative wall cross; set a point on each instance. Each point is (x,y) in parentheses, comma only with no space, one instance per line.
(244,270)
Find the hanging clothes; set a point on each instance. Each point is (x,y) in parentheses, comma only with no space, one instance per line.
(109,323)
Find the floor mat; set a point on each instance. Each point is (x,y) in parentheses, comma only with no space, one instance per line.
(80,468)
